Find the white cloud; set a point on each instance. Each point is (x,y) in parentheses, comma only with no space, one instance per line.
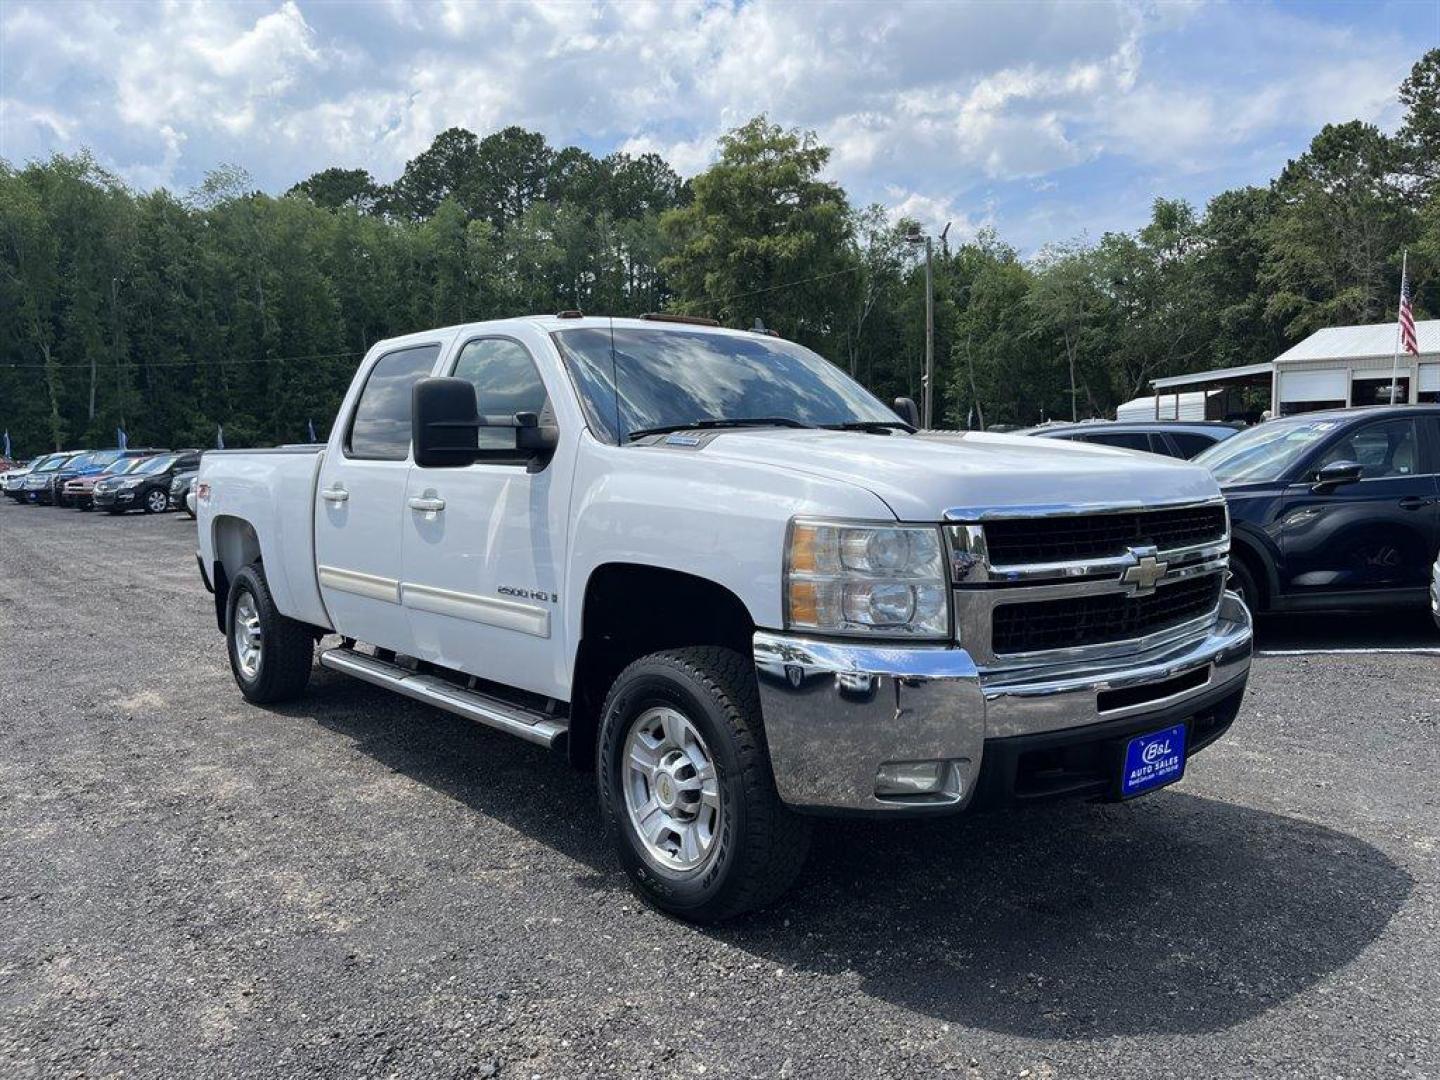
(933,214)
(995,109)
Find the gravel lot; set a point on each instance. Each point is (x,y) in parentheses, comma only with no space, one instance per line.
(357,885)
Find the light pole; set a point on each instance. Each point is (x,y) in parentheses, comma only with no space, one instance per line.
(927,381)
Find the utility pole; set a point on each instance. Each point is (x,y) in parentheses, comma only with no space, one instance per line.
(927,382)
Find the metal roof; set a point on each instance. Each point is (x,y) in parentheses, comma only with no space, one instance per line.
(1218,375)
(1361,342)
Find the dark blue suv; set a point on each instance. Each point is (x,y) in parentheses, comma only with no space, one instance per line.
(1333,510)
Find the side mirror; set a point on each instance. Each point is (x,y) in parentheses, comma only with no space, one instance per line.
(907,410)
(445,423)
(1329,477)
(533,437)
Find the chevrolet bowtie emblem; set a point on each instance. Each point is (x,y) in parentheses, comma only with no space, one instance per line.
(1144,574)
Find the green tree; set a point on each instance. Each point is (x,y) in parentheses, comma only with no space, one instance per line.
(764,237)
(336,189)
(1065,302)
(1418,140)
(1339,224)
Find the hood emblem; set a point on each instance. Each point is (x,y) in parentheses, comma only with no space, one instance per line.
(1144,571)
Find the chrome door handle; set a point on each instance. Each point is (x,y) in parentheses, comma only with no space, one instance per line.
(428,506)
(335,494)
(1414,502)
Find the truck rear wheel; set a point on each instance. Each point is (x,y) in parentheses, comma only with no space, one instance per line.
(270,654)
(686,789)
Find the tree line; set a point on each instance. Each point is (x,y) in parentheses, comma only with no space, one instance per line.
(170,314)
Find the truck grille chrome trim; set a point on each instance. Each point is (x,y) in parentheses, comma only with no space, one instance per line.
(1084,583)
(1102,618)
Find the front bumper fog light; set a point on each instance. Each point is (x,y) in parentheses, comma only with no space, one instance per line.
(914,778)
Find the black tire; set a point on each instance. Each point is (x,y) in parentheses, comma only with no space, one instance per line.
(760,845)
(287,651)
(1243,583)
(155,501)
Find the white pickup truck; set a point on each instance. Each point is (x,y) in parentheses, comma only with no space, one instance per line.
(710,566)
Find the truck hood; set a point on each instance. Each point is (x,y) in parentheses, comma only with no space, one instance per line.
(926,478)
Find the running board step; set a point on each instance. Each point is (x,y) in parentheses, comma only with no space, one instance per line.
(535,727)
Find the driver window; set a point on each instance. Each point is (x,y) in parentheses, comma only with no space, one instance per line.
(506,383)
(1389,448)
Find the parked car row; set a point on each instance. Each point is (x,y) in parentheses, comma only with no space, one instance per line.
(117,481)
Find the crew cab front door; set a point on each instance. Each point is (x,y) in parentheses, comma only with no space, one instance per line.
(1376,535)
(360,503)
(484,544)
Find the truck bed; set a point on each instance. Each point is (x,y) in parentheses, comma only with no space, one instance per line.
(273,490)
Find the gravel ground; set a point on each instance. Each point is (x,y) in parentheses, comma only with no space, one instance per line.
(356,885)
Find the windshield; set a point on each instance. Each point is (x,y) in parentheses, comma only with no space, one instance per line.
(121,466)
(53,463)
(1265,452)
(103,457)
(670,377)
(154,465)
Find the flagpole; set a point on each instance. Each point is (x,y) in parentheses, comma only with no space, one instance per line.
(1395,362)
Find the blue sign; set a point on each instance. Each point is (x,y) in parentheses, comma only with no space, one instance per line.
(1153,760)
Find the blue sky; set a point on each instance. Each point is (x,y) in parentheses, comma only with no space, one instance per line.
(1044,120)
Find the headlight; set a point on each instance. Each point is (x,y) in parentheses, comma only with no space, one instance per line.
(136,482)
(854,579)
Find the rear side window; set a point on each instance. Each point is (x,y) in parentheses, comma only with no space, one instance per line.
(1191,443)
(1129,440)
(380,429)
(506,383)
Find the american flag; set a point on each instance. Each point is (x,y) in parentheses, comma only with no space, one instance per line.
(1407,320)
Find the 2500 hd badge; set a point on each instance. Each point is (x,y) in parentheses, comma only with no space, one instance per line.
(529,594)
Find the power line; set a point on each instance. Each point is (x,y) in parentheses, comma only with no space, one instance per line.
(185,363)
(771,288)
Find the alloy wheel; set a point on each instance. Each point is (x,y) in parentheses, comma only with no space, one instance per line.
(672,792)
(249,645)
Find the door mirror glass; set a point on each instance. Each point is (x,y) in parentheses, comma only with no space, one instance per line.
(1336,473)
(445,421)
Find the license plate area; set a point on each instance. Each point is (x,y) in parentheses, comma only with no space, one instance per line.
(1152,761)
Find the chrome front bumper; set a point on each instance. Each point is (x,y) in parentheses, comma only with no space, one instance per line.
(835,712)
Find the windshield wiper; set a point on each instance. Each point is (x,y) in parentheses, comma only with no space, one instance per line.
(701,425)
(877,426)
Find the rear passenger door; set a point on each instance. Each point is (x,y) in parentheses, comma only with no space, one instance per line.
(360,502)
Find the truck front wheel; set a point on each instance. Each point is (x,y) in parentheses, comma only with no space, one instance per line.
(270,654)
(686,788)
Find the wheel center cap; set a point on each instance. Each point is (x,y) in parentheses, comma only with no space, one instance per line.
(665,791)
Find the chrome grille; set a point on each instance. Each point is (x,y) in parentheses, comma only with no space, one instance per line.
(1060,584)
(1018,541)
(1101,618)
